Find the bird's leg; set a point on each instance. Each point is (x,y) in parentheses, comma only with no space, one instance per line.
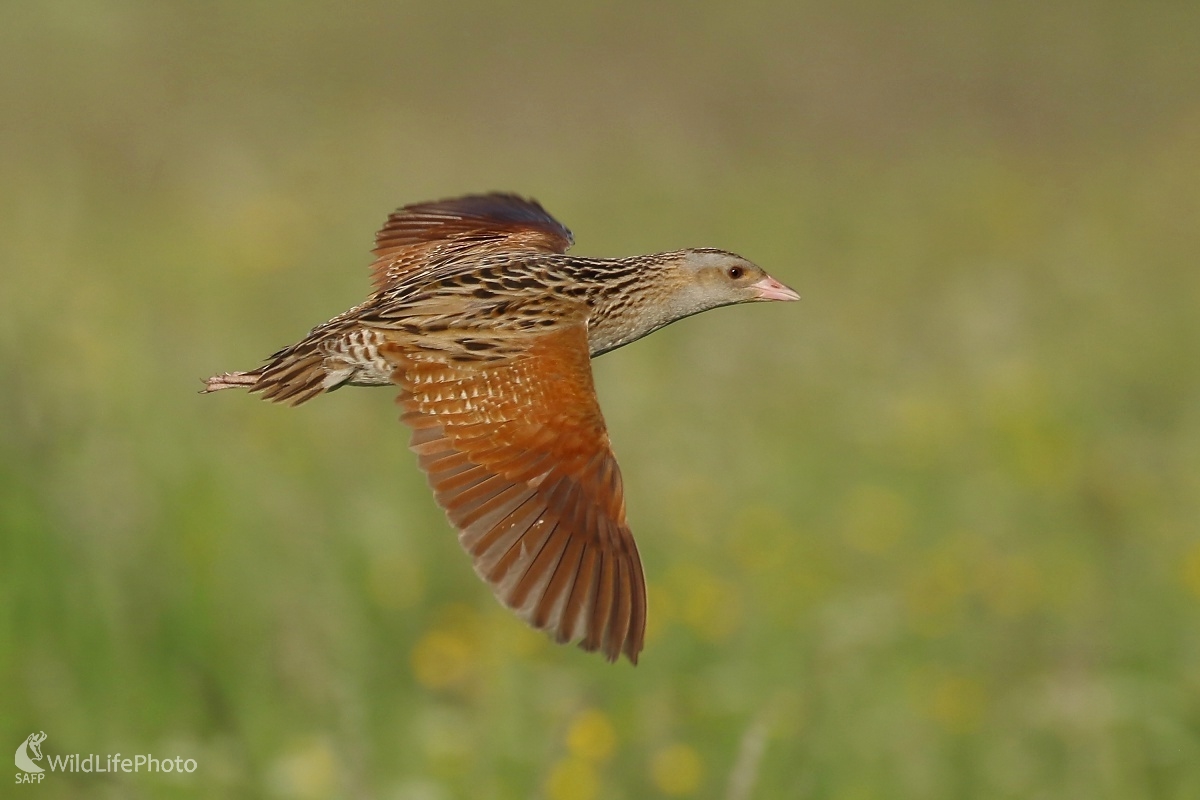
(231,380)
(331,355)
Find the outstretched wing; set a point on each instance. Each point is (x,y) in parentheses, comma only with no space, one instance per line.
(518,455)
(421,234)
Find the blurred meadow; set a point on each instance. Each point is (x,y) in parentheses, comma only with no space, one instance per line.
(932,532)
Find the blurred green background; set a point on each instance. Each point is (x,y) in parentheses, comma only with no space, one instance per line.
(933,532)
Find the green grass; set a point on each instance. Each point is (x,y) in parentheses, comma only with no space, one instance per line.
(930,533)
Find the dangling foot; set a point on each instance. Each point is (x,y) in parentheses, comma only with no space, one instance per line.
(231,380)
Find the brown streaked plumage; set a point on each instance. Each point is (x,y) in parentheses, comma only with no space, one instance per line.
(487,327)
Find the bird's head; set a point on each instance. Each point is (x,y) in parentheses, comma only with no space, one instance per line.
(666,287)
(707,278)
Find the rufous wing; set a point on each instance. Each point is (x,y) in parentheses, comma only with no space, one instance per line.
(423,234)
(518,455)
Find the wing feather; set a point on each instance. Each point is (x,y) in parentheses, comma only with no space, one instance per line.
(418,236)
(525,472)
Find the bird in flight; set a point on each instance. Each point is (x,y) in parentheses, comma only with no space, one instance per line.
(486,326)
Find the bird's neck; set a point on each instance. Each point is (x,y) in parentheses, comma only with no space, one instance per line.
(625,298)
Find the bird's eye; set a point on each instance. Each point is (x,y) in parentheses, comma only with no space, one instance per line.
(735,272)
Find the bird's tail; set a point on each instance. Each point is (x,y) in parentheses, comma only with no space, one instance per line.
(293,375)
